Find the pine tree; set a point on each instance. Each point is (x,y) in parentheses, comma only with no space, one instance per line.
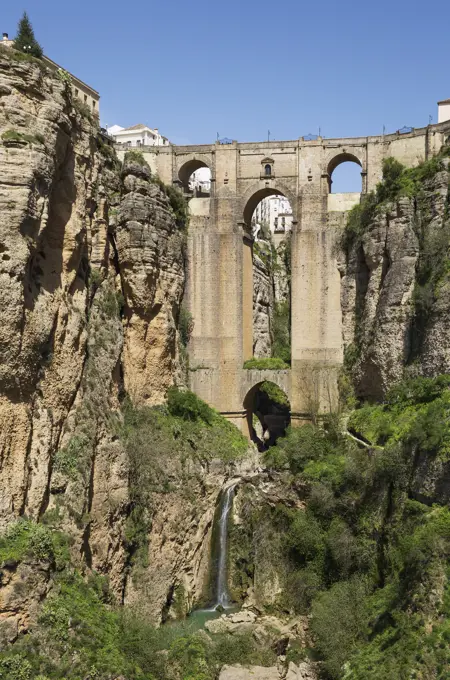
(25,40)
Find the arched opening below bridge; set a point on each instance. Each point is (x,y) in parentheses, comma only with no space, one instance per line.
(268,413)
(267,266)
(195,179)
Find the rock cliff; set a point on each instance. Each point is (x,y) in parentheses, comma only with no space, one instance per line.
(395,288)
(92,276)
(263,301)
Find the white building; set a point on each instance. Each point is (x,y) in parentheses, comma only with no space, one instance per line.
(137,135)
(200,182)
(276,213)
(443,110)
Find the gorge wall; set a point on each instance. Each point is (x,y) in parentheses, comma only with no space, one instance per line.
(91,282)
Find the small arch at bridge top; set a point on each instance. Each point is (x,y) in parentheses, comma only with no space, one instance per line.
(345,171)
(195,178)
(268,413)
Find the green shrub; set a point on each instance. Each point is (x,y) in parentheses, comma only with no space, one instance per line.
(305,539)
(72,458)
(15,136)
(239,649)
(15,667)
(266,363)
(26,539)
(83,109)
(281,345)
(359,219)
(274,393)
(134,156)
(298,447)
(339,621)
(179,206)
(185,326)
(185,404)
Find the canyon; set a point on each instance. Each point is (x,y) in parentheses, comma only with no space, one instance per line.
(114,474)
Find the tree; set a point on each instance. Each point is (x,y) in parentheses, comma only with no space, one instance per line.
(25,40)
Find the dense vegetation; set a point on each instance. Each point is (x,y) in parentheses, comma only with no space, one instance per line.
(369,559)
(81,633)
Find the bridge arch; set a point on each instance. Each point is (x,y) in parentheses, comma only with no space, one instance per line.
(187,169)
(267,409)
(257,192)
(340,157)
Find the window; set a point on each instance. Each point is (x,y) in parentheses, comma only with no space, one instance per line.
(268,170)
(138,142)
(85,97)
(76,92)
(93,104)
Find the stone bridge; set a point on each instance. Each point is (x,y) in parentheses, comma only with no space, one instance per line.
(220,286)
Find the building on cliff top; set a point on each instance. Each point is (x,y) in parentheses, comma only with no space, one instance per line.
(81,90)
(443,110)
(137,135)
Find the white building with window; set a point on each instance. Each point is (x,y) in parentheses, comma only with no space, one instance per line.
(137,135)
(276,213)
(200,182)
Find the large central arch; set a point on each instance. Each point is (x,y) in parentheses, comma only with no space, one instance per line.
(257,192)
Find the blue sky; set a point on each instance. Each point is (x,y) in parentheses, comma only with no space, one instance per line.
(244,67)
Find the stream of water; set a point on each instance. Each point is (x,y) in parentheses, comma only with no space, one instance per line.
(221,595)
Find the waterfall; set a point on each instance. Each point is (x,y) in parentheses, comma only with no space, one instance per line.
(221,595)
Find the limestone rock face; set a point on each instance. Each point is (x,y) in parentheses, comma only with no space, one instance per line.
(150,256)
(263,300)
(178,549)
(378,282)
(49,211)
(23,589)
(91,278)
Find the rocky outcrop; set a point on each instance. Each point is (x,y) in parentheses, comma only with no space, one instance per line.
(381,285)
(263,301)
(23,588)
(50,208)
(270,633)
(151,264)
(175,576)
